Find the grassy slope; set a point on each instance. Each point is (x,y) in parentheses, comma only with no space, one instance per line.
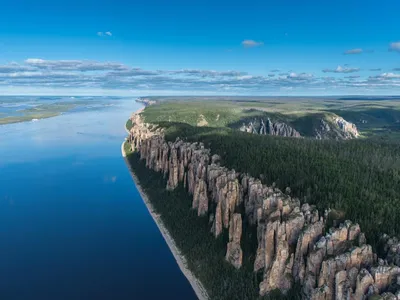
(216,114)
(379,118)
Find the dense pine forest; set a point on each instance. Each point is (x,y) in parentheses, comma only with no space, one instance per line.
(358,179)
(355,179)
(204,254)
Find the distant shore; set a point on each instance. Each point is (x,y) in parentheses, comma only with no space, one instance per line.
(198,288)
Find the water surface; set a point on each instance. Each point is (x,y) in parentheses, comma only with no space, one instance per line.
(72,224)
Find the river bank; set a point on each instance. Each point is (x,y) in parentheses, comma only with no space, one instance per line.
(198,288)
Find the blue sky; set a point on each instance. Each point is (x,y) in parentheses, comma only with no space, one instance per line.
(188,47)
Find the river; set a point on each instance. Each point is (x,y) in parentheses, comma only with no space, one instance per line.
(72,224)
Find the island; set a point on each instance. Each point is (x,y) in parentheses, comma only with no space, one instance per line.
(282,198)
(16,109)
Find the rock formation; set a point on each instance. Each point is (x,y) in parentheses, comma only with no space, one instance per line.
(234,253)
(349,129)
(293,245)
(268,127)
(322,127)
(335,127)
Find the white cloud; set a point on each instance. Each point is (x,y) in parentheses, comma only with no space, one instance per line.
(341,69)
(300,76)
(204,73)
(352,76)
(251,43)
(133,72)
(244,77)
(34,61)
(77,65)
(389,75)
(107,33)
(354,51)
(394,46)
(11,68)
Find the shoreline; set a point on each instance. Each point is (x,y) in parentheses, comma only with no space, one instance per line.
(136,112)
(197,287)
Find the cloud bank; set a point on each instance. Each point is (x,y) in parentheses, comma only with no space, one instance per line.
(112,76)
(341,69)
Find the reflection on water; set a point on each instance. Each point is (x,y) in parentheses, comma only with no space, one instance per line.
(72,225)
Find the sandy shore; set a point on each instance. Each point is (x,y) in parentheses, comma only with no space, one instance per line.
(198,288)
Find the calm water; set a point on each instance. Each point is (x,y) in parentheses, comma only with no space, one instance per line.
(72,224)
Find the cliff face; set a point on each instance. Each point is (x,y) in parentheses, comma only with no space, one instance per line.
(336,127)
(293,245)
(320,127)
(349,129)
(269,127)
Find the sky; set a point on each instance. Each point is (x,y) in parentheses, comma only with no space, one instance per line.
(159,47)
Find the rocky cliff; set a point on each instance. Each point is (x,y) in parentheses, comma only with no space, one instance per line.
(293,243)
(318,126)
(268,127)
(335,127)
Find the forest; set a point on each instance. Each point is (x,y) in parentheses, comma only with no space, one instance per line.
(374,118)
(204,254)
(358,179)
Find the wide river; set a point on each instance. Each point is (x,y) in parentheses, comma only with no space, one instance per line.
(72,224)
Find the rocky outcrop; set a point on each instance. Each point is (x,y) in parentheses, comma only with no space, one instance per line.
(391,249)
(278,261)
(234,253)
(335,127)
(264,127)
(349,129)
(293,243)
(318,126)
